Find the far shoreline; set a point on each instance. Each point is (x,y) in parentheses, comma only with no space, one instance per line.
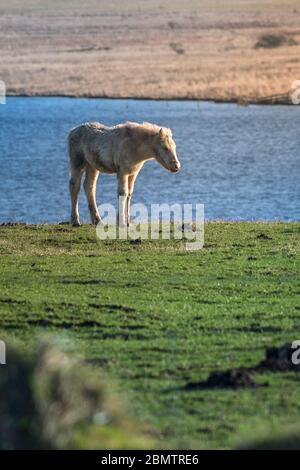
(283,100)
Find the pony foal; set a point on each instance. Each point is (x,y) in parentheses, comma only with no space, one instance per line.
(123,149)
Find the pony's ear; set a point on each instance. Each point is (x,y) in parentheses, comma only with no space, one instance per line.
(161,133)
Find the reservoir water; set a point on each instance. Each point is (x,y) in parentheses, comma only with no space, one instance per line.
(241,162)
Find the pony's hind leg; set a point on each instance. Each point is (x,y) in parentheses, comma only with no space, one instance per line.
(74,186)
(91,176)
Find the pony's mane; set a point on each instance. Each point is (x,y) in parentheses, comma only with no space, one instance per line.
(144,127)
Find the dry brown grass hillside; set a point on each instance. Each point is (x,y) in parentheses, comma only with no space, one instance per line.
(205,49)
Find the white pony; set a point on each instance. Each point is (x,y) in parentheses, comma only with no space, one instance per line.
(123,149)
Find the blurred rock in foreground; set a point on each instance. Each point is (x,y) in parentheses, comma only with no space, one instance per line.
(52,401)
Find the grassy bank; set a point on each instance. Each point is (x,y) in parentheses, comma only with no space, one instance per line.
(155,318)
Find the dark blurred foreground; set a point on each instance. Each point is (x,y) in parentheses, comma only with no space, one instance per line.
(50,401)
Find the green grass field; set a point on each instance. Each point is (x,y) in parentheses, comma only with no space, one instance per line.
(155,318)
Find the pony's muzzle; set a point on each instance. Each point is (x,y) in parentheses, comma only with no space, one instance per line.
(175,166)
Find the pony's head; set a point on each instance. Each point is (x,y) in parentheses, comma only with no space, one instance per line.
(166,151)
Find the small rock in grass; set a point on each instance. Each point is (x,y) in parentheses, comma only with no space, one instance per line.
(231,378)
(137,241)
(263,236)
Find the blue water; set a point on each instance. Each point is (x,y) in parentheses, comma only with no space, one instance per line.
(241,162)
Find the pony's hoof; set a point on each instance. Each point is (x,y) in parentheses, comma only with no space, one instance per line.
(76,224)
(97,222)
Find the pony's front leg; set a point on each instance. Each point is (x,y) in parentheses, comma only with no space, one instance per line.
(131,180)
(122,198)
